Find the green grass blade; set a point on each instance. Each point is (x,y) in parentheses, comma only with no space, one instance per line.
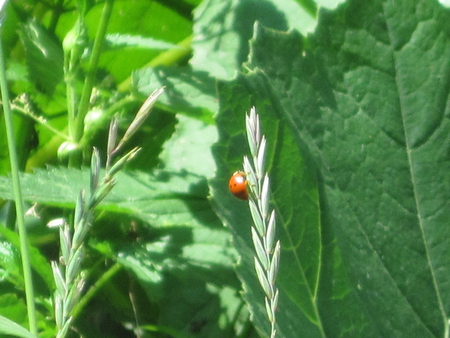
(18,197)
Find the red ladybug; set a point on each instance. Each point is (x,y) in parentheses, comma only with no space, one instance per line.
(238,185)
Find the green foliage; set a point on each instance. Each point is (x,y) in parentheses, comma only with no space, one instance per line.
(353,102)
(13,329)
(365,103)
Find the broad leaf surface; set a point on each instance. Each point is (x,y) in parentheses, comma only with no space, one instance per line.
(161,198)
(368,98)
(190,147)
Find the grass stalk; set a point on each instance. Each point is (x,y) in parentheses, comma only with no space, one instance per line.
(267,251)
(29,290)
(68,275)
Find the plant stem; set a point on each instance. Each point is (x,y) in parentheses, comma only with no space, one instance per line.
(41,120)
(29,291)
(92,69)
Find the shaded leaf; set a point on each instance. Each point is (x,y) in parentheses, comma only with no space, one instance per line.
(44,57)
(185,91)
(10,259)
(222,30)
(190,147)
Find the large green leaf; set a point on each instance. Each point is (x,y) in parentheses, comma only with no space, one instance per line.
(368,97)
(161,198)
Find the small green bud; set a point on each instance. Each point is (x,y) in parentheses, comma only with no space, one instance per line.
(66,149)
(75,42)
(70,40)
(94,118)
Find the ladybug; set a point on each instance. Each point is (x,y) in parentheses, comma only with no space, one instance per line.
(238,185)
